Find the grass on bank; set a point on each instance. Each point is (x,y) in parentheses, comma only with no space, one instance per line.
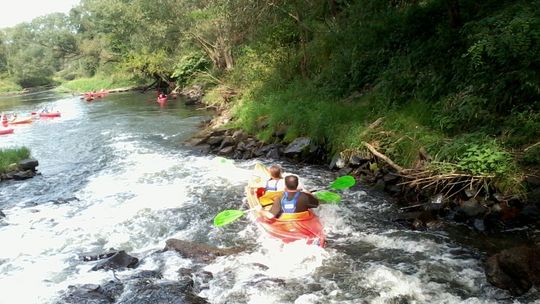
(343,125)
(12,156)
(8,85)
(99,82)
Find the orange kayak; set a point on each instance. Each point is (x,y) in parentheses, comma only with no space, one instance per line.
(19,121)
(289,227)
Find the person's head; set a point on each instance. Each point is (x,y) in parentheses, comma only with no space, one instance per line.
(291,182)
(275,171)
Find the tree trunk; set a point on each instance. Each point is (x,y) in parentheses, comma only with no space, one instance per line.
(453,13)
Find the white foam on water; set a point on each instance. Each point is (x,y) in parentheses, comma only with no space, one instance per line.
(234,276)
(383,241)
(118,208)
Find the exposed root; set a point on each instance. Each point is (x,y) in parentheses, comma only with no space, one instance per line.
(449,184)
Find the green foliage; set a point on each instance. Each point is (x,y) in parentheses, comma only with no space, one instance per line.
(485,160)
(460,112)
(465,90)
(521,127)
(188,66)
(32,67)
(452,149)
(531,156)
(8,85)
(149,64)
(12,156)
(99,82)
(503,56)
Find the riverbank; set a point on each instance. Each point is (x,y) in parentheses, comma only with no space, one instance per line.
(427,194)
(16,164)
(428,200)
(113,84)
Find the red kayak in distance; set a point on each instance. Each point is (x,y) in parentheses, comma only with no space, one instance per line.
(49,114)
(6,131)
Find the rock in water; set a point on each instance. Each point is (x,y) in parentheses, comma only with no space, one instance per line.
(516,269)
(22,175)
(119,260)
(92,294)
(28,164)
(298,146)
(95,257)
(197,251)
(163,292)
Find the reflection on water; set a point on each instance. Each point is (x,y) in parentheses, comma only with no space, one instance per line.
(136,186)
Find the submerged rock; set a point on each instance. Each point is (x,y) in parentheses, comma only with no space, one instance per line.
(92,293)
(95,257)
(118,260)
(516,269)
(22,175)
(197,251)
(145,292)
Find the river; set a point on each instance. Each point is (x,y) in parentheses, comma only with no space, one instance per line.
(126,181)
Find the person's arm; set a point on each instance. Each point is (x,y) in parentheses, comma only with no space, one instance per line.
(276,206)
(312,201)
(274,211)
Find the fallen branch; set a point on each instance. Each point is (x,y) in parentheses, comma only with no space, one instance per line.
(533,145)
(383,157)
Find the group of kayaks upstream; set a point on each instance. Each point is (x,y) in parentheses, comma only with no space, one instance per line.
(90,96)
(8,120)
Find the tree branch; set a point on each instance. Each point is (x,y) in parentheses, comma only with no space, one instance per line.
(383,157)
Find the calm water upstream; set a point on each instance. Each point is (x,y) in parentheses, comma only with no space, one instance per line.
(136,186)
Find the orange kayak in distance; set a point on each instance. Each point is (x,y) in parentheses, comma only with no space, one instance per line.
(20,121)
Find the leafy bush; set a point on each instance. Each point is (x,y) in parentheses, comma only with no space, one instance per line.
(8,85)
(485,160)
(532,156)
(461,111)
(188,66)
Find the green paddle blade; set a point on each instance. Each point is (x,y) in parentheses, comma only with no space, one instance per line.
(227,216)
(343,182)
(328,197)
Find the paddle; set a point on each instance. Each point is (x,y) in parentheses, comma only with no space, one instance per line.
(340,183)
(230,215)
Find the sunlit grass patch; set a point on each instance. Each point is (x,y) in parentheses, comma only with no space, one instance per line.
(97,83)
(12,156)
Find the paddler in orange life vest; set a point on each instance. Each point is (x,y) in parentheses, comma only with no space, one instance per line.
(292,200)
